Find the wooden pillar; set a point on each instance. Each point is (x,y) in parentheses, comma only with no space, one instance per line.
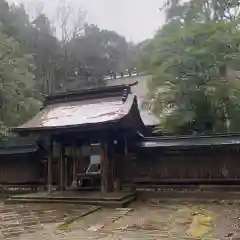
(107,166)
(65,172)
(50,158)
(62,157)
(105,169)
(110,154)
(74,182)
(74,161)
(125,146)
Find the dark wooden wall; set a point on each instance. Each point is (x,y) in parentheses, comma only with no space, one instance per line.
(152,166)
(21,170)
(184,165)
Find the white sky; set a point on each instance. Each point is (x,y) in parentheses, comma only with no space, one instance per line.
(134,19)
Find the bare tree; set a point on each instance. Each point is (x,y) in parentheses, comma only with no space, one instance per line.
(71,21)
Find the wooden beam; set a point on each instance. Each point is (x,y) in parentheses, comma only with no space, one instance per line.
(110,154)
(74,183)
(105,168)
(61,175)
(65,171)
(74,160)
(50,157)
(125,146)
(108,175)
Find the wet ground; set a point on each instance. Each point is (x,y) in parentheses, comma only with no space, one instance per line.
(143,220)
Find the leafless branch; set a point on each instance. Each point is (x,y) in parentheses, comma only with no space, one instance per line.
(71,21)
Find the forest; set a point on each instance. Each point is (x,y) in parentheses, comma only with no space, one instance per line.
(36,62)
(193,60)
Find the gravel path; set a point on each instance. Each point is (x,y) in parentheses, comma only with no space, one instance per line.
(143,220)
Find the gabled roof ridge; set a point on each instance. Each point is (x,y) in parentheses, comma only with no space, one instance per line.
(94,93)
(103,112)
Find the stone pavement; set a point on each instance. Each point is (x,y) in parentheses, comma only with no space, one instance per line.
(143,220)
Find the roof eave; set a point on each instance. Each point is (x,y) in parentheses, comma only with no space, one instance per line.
(122,120)
(22,130)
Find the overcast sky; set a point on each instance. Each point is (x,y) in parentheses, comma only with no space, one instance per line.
(135,19)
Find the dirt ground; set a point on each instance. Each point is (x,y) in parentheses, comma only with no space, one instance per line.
(142,220)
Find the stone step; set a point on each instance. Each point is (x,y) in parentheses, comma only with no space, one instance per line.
(73,198)
(89,202)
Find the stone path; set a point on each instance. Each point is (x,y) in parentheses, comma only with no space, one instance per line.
(143,221)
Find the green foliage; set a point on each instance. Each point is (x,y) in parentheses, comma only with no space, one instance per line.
(190,62)
(16,84)
(103,51)
(201,10)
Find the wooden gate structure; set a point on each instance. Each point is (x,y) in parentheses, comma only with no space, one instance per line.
(69,123)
